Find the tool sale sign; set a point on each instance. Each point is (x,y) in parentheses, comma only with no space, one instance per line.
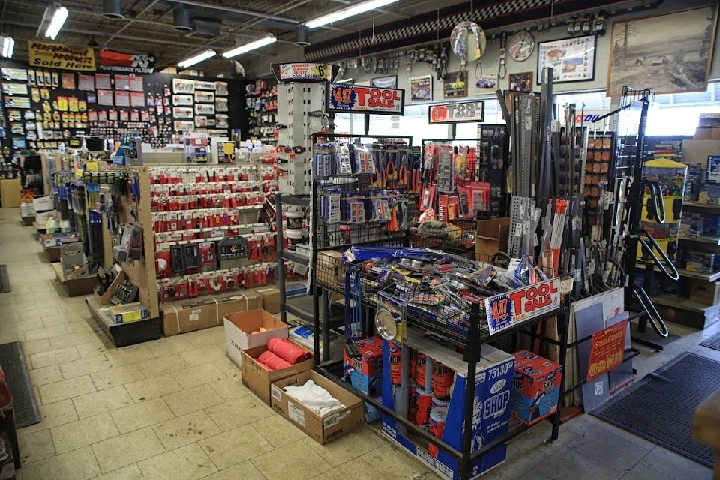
(456,112)
(607,349)
(346,98)
(507,309)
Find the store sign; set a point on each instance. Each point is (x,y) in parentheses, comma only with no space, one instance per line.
(53,55)
(456,112)
(607,349)
(507,309)
(361,99)
(112,61)
(305,71)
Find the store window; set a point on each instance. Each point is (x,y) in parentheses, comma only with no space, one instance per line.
(678,114)
(413,124)
(492,114)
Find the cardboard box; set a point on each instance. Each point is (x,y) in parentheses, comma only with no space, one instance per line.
(259,379)
(704,292)
(492,237)
(536,387)
(491,387)
(73,260)
(365,373)
(205,312)
(698,151)
(321,428)
(707,133)
(331,268)
(271,299)
(243,331)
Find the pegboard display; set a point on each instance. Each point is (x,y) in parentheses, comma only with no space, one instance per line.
(213,227)
(261,105)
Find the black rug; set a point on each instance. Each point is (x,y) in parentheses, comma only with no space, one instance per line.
(4,279)
(712,342)
(661,406)
(12,361)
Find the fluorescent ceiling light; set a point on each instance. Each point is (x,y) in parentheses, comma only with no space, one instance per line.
(348,12)
(249,46)
(58,20)
(200,57)
(7,46)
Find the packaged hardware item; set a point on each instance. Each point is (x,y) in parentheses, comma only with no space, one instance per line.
(700,262)
(536,387)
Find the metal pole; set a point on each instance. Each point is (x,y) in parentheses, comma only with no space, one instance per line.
(472,353)
(280,259)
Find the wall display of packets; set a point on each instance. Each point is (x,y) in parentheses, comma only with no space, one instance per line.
(392,166)
(208,283)
(388,207)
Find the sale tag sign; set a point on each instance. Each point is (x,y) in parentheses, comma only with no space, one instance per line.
(456,112)
(507,309)
(607,348)
(344,98)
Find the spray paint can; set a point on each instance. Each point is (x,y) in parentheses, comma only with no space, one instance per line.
(437,421)
(439,404)
(420,370)
(395,363)
(412,402)
(424,405)
(442,379)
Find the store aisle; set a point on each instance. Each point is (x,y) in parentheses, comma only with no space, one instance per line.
(176,409)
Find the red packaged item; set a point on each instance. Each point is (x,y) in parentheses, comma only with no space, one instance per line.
(442,380)
(288,351)
(395,363)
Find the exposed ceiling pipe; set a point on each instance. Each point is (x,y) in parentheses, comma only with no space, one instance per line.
(124,27)
(266,16)
(181,19)
(112,9)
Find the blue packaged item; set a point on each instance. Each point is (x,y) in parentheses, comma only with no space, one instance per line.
(492,386)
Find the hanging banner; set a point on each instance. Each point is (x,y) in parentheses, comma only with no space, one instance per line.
(456,112)
(344,97)
(507,309)
(112,61)
(53,55)
(304,72)
(607,349)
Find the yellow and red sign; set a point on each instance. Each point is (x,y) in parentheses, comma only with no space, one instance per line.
(457,112)
(344,97)
(507,309)
(53,55)
(606,349)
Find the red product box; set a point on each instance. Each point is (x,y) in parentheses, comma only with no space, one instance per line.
(370,361)
(535,374)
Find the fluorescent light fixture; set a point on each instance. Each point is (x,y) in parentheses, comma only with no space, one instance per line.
(348,12)
(7,46)
(250,46)
(59,16)
(200,57)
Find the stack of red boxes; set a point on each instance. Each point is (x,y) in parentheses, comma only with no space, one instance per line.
(536,387)
(365,372)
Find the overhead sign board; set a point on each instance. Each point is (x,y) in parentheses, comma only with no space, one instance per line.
(112,61)
(304,72)
(54,55)
(344,98)
(457,112)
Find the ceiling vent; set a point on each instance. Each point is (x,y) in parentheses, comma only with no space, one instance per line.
(301,36)
(181,19)
(112,9)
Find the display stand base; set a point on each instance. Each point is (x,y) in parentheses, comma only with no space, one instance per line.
(28,221)
(52,254)
(75,286)
(124,334)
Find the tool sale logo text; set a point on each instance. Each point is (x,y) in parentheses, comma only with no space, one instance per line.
(361,99)
(504,310)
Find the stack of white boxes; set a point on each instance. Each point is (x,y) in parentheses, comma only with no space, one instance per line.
(300,107)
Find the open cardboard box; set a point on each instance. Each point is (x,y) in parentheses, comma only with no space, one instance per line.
(243,331)
(321,429)
(259,379)
(491,237)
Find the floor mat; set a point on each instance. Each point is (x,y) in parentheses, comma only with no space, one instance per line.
(661,406)
(4,279)
(12,361)
(712,342)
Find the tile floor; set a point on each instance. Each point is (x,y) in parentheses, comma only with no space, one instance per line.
(176,409)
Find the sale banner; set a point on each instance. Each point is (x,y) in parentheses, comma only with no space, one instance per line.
(344,98)
(456,112)
(304,71)
(112,61)
(53,55)
(507,309)
(606,349)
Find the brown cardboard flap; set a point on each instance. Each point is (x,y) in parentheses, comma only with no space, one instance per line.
(259,379)
(491,237)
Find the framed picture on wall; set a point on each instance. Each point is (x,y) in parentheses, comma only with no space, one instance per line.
(455,84)
(572,59)
(385,82)
(520,82)
(670,53)
(421,89)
